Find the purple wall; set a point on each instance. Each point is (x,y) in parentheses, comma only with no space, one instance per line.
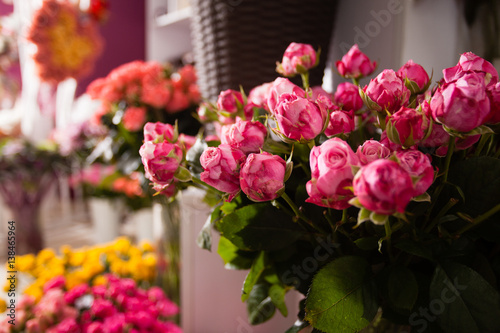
(4,8)
(124,34)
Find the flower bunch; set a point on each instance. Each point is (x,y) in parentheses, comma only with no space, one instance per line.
(117,305)
(371,201)
(68,43)
(88,265)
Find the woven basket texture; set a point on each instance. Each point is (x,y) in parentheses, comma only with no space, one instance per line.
(237,42)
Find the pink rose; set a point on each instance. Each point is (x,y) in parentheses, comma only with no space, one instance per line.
(258,95)
(158,132)
(262,176)
(320,94)
(331,174)
(186,141)
(461,105)
(102,308)
(32,326)
(341,122)
(230,101)
(222,166)
(493,92)
(72,295)
(298,58)
(355,64)
(282,86)
(469,62)
(387,91)
(161,161)
(67,325)
(419,166)
(407,127)
(248,136)
(134,118)
(384,187)
(167,308)
(54,283)
(372,150)
(95,327)
(298,118)
(347,97)
(414,73)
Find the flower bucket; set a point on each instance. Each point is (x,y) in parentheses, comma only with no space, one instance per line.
(143,221)
(106,217)
(238,42)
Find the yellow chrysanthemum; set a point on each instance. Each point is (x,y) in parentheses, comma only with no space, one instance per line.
(99,280)
(25,263)
(3,305)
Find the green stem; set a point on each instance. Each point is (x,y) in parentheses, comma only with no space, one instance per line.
(298,213)
(355,82)
(388,234)
(482,143)
(449,153)
(452,202)
(479,219)
(305,81)
(344,216)
(205,185)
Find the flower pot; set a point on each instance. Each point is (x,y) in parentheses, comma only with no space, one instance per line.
(238,42)
(106,217)
(142,221)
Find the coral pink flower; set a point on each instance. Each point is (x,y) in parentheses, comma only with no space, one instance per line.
(134,118)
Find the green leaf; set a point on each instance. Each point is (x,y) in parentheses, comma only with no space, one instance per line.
(367,243)
(423,197)
(402,288)
(204,239)
(259,227)
(297,326)
(363,215)
(463,301)
(260,308)
(414,248)
(258,266)
(378,219)
(233,257)
(277,294)
(335,300)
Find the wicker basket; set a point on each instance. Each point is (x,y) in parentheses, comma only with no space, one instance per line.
(237,42)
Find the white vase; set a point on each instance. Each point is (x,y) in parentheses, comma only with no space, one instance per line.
(106,217)
(142,220)
(211,294)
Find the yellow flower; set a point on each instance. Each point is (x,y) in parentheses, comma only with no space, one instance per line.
(147,246)
(122,245)
(25,263)
(3,305)
(99,280)
(35,290)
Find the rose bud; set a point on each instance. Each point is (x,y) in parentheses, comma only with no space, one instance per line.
(355,64)
(282,86)
(419,166)
(407,127)
(248,136)
(469,62)
(387,92)
(372,150)
(461,105)
(347,97)
(229,103)
(326,98)
(331,174)
(414,76)
(161,161)
(262,177)
(158,132)
(297,59)
(298,118)
(222,166)
(258,95)
(384,187)
(341,122)
(494,95)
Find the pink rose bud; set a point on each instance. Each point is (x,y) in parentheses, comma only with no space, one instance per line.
(347,97)
(161,161)
(262,177)
(248,136)
(298,58)
(222,166)
(207,112)
(186,141)
(134,118)
(299,118)
(318,93)
(54,283)
(469,62)
(158,132)
(407,127)
(386,92)
(102,308)
(493,92)
(230,101)
(416,74)
(331,174)
(384,187)
(282,86)
(461,105)
(419,166)
(341,122)
(258,95)
(355,64)
(372,150)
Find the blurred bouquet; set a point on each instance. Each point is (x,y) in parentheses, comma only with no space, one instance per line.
(87,265)
(27,173)
(115,305)
(378,203)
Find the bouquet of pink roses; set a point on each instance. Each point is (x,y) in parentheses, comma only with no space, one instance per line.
(378,203)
